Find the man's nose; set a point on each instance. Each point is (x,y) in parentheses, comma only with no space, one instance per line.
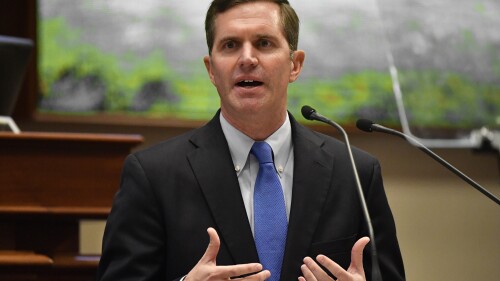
(248,56)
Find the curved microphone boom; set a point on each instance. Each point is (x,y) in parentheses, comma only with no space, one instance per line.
(369,126)
(310,114)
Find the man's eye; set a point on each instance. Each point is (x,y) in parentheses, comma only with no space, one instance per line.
(264,43)
(229,45)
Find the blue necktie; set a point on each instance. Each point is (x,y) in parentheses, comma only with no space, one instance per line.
(270,222)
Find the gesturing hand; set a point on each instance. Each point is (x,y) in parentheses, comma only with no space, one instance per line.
(313,272)
(207,270)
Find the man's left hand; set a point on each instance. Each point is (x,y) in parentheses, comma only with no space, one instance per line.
(313,272)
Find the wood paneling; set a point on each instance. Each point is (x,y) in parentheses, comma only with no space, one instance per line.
(48,182)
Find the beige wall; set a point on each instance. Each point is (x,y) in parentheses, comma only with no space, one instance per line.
(447,229)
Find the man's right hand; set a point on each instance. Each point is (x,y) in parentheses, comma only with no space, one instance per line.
(207,270)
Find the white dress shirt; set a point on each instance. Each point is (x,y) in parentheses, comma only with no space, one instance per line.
(246,166)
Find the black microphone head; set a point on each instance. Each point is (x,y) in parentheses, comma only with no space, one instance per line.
(307,111)
(364,125)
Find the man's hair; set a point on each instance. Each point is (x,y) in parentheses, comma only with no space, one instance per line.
(289,20)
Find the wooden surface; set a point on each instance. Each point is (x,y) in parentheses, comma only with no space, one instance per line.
(48,182)
(23,258)
(60,172)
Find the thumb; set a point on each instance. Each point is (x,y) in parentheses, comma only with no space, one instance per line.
(357,254)
(213,246)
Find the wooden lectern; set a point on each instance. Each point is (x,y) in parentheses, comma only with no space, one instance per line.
(48,182)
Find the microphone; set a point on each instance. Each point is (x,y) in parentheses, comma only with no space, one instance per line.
(369,126)
(310,114)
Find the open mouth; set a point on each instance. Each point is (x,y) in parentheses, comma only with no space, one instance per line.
(249,83)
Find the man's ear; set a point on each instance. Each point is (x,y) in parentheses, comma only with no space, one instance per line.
(297,58)
(208,66)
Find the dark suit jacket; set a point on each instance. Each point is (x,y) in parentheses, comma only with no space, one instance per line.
(172,192)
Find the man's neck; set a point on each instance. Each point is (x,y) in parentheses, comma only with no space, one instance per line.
(258,127)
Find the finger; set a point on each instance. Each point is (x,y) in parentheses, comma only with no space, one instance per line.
(213,246)
(317,272)
(307,274)
(260,276)
(332,266)
(249,271)
(357,254)
(356,260)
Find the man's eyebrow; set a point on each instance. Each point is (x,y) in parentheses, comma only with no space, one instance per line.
(265,36)
(228,38)
(236,38)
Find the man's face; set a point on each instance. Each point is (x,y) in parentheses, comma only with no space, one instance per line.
(251,62)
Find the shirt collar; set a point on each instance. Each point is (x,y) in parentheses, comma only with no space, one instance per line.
(240,144)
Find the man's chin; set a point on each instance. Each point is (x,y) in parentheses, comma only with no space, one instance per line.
(244,110)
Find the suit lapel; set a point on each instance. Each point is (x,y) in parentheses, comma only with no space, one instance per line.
(212,165)
(311,181)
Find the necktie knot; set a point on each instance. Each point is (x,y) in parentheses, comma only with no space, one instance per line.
(262,151)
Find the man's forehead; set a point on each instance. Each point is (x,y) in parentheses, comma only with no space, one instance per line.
(261,16)
(249,10)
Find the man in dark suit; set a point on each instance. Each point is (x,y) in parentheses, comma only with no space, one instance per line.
(175,192)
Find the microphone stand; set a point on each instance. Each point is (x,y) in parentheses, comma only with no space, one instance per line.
(311,114)
(380,128)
